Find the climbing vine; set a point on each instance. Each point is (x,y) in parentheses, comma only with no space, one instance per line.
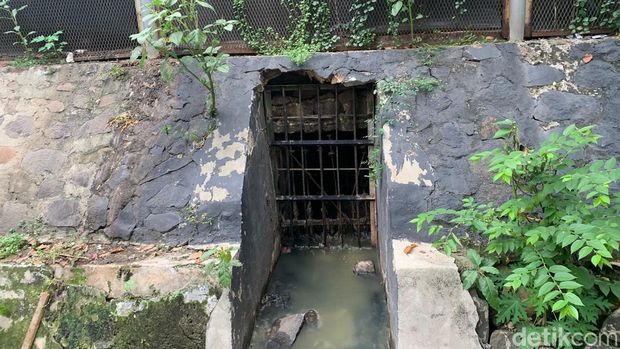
(388,92)
(310,30)
(586,16)
(360,34)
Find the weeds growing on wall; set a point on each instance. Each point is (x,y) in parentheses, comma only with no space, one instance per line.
(360,33)
(586,15)
(180,29)
(402,11)
(552,245)
(12,244)
(220,266)
(427,53)
(310,30)
(388,92)
(37,48)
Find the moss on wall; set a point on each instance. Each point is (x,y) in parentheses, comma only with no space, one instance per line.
(81,317)
(167,324)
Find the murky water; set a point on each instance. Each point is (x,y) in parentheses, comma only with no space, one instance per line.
(352,309)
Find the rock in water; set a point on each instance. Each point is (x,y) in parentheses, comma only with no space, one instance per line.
(311,318)
(364,267)
(611,329)
(284,331)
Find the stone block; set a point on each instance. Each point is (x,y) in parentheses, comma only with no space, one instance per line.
(41,161)
(434,311)
(63,213)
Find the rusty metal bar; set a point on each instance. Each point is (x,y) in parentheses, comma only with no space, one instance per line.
(325,197)
(345,206)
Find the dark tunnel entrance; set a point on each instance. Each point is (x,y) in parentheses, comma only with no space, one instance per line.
(321,138)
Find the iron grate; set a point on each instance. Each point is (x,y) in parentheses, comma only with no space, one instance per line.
(320,142)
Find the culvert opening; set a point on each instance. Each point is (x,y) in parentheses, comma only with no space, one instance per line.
(321,138)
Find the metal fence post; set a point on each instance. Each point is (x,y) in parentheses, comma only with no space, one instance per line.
(141,12)
(517,20)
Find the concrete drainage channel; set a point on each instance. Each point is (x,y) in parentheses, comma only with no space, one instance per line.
(315,142)
(267,190)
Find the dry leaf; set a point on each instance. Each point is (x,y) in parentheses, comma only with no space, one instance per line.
(410,248)
(587,58)
(196,256)
(117,250)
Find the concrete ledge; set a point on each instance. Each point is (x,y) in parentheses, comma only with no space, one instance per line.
(434,311)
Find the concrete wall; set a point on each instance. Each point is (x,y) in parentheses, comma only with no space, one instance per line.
(259,234)
(60,160)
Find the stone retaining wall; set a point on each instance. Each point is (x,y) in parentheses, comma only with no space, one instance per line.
(112,151)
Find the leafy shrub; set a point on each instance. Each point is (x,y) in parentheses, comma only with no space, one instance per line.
(548,261)
(220,268)
(180,29)
(48,46)
(360,34)
(11,244)
(310,30)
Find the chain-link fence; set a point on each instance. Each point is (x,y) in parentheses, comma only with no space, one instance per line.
(102,27)
(554,17)
(438,16)
(99,27)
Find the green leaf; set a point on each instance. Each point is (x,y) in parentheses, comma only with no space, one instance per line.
(585,251)
(135,53)
(563,277)
(544,289)
(223,68)
(573,299)
(502,133)
(551,295)
(615,289)
(596,259)
(469,278)
(166,70)
(559,269)
(569,311)
(569,285)
(559,305)
(474,257)
(610,164)
(576,245)
(396,8)
(176,38)
(205,5)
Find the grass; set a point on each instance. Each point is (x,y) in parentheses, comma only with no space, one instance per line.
(12,244)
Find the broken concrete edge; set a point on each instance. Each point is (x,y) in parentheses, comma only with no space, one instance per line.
(152,293)
(434,310)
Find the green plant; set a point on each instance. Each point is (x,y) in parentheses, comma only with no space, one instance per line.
(49,46)
(360,35)
(388,92)
(580,24)
(310,30)
(22,37)
(554,239)
(12,243)
(180,29)
(193,216)
(427,53)
(221,267)
(117,72)
(402,11)
(609,17)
